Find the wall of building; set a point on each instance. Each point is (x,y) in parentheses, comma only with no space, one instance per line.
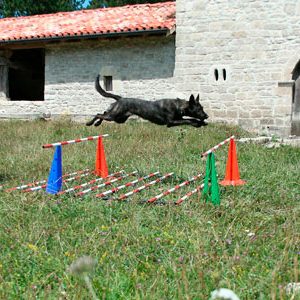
(141,67)
(256,43)
(251,47)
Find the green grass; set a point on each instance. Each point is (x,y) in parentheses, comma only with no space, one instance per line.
(147,251)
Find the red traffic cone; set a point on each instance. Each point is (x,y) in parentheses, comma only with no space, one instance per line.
(232,176)
(101,165)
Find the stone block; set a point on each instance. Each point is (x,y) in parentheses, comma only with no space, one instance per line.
(255,113)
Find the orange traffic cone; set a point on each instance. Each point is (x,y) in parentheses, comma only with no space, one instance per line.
(101,165)
(232,176)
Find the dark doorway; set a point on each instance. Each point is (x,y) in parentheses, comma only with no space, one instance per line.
(296,101)
(27,75)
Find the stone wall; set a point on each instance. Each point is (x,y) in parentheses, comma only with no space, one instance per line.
(251,47)
(238,55)
(141,67)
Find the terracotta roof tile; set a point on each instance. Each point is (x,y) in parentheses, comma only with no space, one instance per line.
(123,19)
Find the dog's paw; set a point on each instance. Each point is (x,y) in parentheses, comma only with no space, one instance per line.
(90,123)
(199,124)
(98,122)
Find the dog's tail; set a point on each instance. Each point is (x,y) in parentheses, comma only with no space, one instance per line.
(102,92)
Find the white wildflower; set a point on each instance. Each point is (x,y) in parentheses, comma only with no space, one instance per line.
(224,294)
(293,288)
(84,264)
(81,267)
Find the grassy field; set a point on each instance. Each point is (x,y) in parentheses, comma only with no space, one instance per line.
(250,243)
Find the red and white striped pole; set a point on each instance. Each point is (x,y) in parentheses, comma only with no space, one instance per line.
(22,187)
(82,193)
(197,189)
(137,190)
(36,188)
(77,187)
(167,192)
(116,189)
(90,138)
(217,146)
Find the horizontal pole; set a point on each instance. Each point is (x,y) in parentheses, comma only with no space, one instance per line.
(197,189)
(77,187)
(217,146)
(139,189)
(167,192)
(35,183)
(89,138)
(95,187)
(131,183)
(43,186)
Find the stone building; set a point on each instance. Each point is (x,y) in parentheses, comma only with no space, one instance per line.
(243,57)
(49,62)
(240,56)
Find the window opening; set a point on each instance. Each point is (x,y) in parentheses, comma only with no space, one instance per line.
(26,75)
(108,83)
(216,74)
(224,74)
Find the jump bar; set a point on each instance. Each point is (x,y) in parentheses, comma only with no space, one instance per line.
(217,146)
(89,138)
(77,187)
(43,186)
(197,189)
(95,187)
(167,192)
(131,183)
(24,186)
(139,189)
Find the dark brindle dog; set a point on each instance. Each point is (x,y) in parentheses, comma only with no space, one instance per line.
(168,112)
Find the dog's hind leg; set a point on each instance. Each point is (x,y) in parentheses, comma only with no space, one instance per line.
(97,120)
(107,116)
(192,122)
(89,123)
(97,123)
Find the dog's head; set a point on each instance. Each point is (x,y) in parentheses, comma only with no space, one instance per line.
(195,109)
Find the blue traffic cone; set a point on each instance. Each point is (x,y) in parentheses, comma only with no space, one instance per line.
(54,182)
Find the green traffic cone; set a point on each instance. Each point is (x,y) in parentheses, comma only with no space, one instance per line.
(206,189)
(211,186)
(215,195)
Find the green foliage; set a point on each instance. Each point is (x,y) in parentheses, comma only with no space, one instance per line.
(250,243)
(110,3)
(10,8)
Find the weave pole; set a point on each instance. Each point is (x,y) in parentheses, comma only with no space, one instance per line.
(43,186)
(131,183)
(137,190)
(24,186)
(177,187)
(93,188)
(217,146)
(197,189)
(90,138)
(77,187)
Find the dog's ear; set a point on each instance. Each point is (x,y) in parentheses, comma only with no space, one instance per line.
(192,100)
(197,99)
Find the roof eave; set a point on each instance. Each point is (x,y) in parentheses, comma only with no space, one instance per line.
(163,31)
